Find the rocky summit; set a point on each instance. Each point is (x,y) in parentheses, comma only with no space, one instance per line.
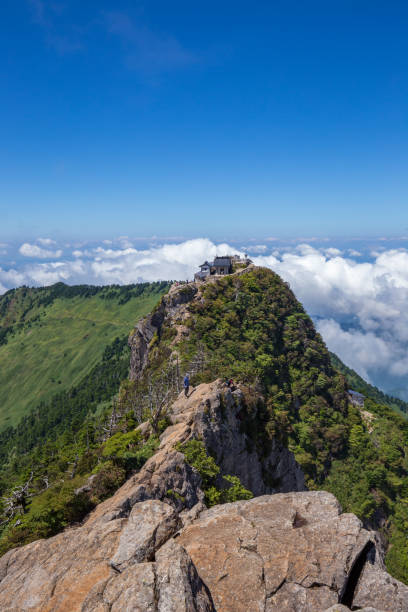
(154,546)
(225,514)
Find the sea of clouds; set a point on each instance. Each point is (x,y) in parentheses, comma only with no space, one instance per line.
(358,300)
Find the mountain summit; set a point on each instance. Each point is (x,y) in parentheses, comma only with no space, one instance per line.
(221,511)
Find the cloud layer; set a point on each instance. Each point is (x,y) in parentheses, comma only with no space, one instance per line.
(359,305)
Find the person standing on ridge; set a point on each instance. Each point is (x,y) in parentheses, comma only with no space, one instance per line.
(186,384)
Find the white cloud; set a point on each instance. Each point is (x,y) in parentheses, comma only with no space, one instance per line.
(168,261)
(33,250)
(46,241)
(363,305)
(124,242)
(361,351)
(53,272)
(11,278)
(256,248)
(122,265)
(332,252)
(360,306)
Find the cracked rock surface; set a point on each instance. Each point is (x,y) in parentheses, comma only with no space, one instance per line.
(144,550)
(291,552)
(288,552)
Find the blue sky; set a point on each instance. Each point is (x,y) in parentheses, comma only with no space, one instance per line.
(226,119)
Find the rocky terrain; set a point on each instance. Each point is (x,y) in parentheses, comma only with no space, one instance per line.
(155,546)
(145,549)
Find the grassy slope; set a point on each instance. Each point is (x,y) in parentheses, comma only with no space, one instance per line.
(55,351)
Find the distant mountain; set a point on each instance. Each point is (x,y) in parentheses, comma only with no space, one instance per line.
(51,337)
(357,383)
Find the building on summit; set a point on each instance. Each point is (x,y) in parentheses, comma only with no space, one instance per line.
(220,266)
(205,270)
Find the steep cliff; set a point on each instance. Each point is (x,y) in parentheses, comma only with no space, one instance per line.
(171,310)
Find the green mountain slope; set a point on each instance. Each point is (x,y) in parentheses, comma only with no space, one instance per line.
(357,383)
(52,337)
(249,327)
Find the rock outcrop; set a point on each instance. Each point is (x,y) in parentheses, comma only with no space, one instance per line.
(171,306)
(293,552)
(76,570)
(155,547)
(218,416)
(215,415)
(341,608)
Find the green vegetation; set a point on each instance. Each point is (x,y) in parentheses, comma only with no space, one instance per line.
(127,450)
(372,480)
(301,399)
(215,487)
(285,362)
(58,446)
(62,441)
(51,337)
(66,411)
(73,495)
(248,327)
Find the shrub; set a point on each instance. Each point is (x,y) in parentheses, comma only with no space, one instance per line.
(196,455)
(106,481)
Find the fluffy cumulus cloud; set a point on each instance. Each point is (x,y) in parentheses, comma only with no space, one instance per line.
(359,305)
(107,264)
(168,261)
(36,252)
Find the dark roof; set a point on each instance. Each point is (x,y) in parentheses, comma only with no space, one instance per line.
(222,261)
(205,264)
(355,393)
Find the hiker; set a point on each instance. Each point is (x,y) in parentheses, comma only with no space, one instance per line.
(186,384)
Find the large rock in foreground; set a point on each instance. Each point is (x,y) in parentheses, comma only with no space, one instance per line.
(106,566)
(292,552)
(148,550)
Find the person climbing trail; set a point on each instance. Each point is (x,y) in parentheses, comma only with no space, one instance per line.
(186,384)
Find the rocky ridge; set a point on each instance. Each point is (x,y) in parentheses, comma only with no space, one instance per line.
(173,307)
(154,546)
(172,310)
(147,550)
